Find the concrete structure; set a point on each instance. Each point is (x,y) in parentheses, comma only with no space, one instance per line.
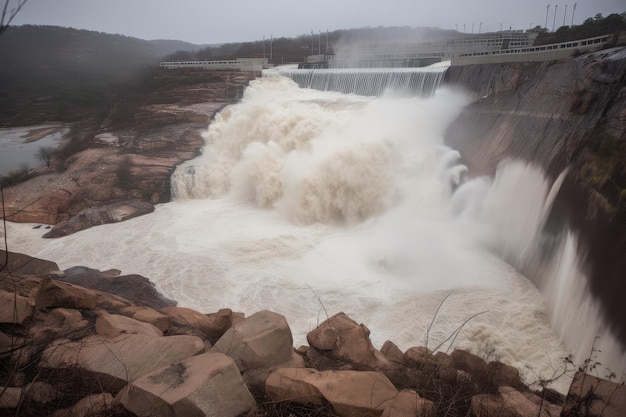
(507,46)
(540,53)
(239,64)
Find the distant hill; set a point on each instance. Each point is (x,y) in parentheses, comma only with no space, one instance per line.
(169,46)
(65,73)
(71,56)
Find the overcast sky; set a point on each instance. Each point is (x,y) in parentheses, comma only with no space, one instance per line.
(218,21)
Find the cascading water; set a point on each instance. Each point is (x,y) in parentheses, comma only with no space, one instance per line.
(303,197)
(367,81)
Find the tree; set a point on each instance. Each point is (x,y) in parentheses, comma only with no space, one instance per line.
(9,14)
(44,154)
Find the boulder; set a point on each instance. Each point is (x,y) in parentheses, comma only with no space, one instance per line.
(258,345)
(344,340)
(350,393)
(10,397)
(187,321)
(111,325)
(409,403)
(391,351)
(204,385)
(58,323)
(511,402)
(40,392)
(18,263)
(501,374)
(14,308)
(292,384)
(7,343)
(97,405)
(116,361)
(592,396)
(52,293)
(135,288)
(488,405)
(472,364)
(110,213)
(147,315)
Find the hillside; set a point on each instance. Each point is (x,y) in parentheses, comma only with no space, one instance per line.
(64,74)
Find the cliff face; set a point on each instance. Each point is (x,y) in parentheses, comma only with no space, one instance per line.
(567,114)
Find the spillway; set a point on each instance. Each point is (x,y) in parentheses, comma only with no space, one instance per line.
(367,81)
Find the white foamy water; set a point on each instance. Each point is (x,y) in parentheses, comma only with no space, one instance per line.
(309,203)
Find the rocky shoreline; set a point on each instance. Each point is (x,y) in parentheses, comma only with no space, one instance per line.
(113,346)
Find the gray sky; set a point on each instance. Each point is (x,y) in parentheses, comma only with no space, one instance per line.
(202,21)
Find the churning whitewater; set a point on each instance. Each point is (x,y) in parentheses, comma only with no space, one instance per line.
(308,203)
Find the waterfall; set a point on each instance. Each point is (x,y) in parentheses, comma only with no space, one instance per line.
(367,81)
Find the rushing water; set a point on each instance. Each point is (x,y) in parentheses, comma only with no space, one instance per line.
(309,203)
(367,81)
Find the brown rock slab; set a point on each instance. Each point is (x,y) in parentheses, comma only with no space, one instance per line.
(258,345)
(53,293)
(14,308)
(204,385)
(594,397)
(350,393)
(347,341)
(409,403)
(260,341)
(147,315)
(134,288)
(117,361)
(501,374)
(391,351)
(97,405)
(112,325)
(188,321)
(10,398)
(110,213)
(472,364)
(23,264)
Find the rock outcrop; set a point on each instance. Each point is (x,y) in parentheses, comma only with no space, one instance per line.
(86,347)
(128,156)
(204,385)
(110,213)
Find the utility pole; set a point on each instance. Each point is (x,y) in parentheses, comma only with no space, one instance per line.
(565,14)
(326,51)
(556,6)
(547,11)
(573,10)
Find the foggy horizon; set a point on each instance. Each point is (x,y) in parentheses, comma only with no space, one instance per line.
(200,23)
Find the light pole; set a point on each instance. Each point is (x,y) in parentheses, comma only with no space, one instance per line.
(480,25)
(326,50)
(263,46)
(472,28)
(319,42)
(271,40)
(547,11)
(556,6)
(573,10)
(565,14)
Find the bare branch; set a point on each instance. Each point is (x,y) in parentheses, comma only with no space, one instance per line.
(9,15)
